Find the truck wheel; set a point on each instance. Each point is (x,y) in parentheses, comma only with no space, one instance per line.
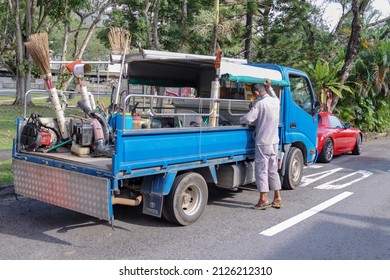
(187,199)
(294,169)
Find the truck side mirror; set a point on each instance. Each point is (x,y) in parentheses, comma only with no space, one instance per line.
(316,106)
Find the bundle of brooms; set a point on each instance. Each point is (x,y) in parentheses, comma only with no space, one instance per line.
(38,47)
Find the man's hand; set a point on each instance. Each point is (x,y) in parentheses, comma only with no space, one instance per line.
(267,83)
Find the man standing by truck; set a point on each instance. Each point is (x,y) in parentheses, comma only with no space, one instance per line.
(265,116)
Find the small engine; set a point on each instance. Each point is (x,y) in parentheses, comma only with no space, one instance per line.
(36,136)
(84,134)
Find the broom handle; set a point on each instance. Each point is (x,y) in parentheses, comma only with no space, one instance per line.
(59,113)
(120,75)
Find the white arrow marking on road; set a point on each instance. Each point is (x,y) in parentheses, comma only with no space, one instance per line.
(304,215)
(314,166)
(307,180)
(330,185)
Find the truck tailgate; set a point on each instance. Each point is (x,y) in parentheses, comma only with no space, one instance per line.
(72,190)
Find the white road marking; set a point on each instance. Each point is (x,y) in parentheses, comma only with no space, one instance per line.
(304,215)
(314,166)
(331,185)
(307,180)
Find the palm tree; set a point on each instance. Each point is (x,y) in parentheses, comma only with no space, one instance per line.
(370,109)
(325,80)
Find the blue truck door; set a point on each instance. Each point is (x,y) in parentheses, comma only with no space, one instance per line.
(301,122)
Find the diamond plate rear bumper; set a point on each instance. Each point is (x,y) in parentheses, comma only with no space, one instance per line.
(72,190)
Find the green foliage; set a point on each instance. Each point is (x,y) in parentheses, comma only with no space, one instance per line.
(370,109)
(6,177)
(289,33)
(369,114)
(286,32)
(324,78)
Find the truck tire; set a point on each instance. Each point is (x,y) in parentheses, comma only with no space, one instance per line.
(294,169)
(187,199)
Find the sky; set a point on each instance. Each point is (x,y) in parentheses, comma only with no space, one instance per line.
(333,11)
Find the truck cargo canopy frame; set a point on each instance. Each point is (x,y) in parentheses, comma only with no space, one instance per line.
(180,70)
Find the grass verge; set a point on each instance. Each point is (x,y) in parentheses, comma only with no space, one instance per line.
(10,113)
(8,117)
(6,176)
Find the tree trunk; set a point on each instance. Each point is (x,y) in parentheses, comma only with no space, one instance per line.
(248,33)
(184,12)
(339,25)
(358,9)
(264,26)
(147,25)
(61,83)
(155,24)
(214,43)
(22,72)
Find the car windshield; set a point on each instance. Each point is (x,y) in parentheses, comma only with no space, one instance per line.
(335,122)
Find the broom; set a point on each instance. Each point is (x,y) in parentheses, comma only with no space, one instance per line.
(38,47)
(119,40)
(120,45)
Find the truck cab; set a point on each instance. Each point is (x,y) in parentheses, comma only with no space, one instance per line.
(298,123)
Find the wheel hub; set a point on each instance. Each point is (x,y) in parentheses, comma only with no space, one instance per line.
(295,169)
(190,200)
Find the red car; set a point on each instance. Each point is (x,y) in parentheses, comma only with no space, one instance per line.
(336,138)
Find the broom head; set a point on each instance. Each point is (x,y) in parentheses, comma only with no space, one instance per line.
(38,47)
(120,40)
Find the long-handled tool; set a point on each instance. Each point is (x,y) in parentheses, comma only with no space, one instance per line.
(78,69)
(38,47)
(119,41)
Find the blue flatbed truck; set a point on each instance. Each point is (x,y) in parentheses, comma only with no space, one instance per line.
(168,150)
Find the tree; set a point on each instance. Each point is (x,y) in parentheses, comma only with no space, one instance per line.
(26,17)
(250,13)
(98,11)
(185,26)
(22,73)
(325,80)
(289,32)
(358,9)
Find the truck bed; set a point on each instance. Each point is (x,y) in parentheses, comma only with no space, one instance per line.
(101,163)
(85,184)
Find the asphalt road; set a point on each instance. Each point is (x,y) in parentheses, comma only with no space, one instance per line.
(341,212)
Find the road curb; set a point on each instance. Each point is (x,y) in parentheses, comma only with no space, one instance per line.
(375,135)
(6,190)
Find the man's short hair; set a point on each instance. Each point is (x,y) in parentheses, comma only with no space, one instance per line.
(257,87)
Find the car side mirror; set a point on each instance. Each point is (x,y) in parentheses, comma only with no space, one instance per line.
(347,125)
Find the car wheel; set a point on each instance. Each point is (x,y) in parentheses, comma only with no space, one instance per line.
(358,146)
(326,154)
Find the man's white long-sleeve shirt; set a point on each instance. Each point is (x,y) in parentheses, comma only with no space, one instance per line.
(265,116)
